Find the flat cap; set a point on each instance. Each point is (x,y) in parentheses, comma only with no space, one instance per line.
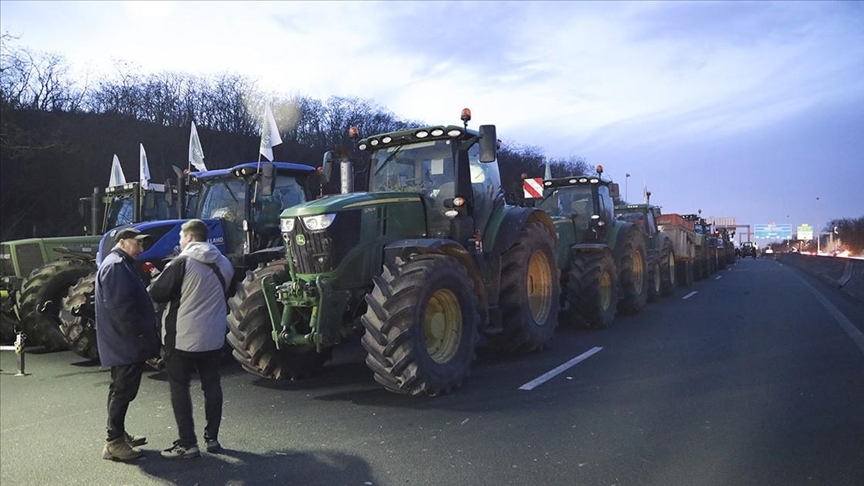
(126,233)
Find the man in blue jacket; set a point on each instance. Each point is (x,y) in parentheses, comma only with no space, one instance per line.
(194,325)
(126,336)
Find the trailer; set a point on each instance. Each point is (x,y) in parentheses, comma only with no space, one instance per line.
(683,235)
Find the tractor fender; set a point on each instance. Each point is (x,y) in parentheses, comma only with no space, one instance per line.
(502,231)
(405,248)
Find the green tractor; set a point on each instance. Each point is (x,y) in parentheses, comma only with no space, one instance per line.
(603,260)
(421,266)
(37,272)
(705,262)
(660,250)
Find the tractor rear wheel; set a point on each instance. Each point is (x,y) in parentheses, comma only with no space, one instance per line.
(668,269)
(632,272)
(78,318)
(46,286)
(592,289)
(251,335)
(530,292)
(421,325)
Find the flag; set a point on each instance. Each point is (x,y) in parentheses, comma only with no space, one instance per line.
(548,174)
(645,191)
(118,178)
(269,134)
(196,153)
(144,173)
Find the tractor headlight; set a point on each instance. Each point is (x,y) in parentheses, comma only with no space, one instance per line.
(286,225)
(320,222)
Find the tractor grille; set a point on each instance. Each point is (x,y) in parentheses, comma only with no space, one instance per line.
(322,251)
(29,258)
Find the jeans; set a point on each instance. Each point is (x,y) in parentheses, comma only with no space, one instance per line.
(125,381)
(179,365)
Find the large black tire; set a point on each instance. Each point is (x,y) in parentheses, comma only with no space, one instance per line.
(668,268)
(592,289)
(251,336)
(530,292)
(46,286)
(421,325)
(8,324)
(631,262)
(78,317)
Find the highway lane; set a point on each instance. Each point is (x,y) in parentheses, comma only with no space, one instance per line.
(751,380)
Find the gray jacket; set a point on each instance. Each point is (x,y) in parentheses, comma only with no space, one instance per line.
(195,316)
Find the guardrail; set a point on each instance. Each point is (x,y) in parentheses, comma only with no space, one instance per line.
(846,273)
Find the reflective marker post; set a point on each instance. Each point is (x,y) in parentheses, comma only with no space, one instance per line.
(19,350)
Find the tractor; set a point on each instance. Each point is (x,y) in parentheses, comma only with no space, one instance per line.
(603,260)
(705,262)
(240,206)
(661,252)
(424,268)
(37,272)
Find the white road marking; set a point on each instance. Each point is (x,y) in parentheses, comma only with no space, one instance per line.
(691,294)
(551,374)
(718,277)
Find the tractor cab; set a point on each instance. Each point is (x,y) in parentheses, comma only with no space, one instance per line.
(585,201)
(644,216)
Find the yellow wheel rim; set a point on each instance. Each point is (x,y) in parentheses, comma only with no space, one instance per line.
(539,285)
(638,274)
(442,325)
(671,268)
(605,290)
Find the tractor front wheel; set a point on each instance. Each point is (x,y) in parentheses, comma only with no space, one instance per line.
(668,269)
(46,286)
(251,333)
(632,272)
(592,289)
(421,325)
(78,318)
(530,292)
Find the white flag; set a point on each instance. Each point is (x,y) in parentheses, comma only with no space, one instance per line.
(118,178)
(196,153)
(144,173)
(548,174)
(269,135)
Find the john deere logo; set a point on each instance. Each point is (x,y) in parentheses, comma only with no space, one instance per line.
(300,239)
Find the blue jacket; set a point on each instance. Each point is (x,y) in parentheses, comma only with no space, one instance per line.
(126,326)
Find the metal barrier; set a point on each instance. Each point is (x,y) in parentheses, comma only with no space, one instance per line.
(18,347)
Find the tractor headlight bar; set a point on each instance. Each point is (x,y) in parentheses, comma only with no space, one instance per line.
(286,225)
(320,222)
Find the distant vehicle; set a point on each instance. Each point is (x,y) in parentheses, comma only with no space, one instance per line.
(748,248)
(769,251)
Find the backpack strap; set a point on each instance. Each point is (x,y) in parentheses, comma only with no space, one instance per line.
(218,273)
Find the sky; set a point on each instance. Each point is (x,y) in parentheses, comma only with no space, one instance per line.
(750,110)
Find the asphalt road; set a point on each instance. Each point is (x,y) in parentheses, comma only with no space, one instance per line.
(757,378)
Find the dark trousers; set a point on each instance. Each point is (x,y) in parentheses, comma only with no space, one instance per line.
(125,381)
(179,365)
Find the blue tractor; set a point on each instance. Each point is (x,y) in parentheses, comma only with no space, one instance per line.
(241,208)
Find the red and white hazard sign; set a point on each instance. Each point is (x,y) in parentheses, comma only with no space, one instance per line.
(533,188)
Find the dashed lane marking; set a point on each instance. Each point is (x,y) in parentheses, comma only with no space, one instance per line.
(718,277)
(691,294)
(553,373)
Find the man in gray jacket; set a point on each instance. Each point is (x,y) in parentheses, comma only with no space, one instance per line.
(194,325)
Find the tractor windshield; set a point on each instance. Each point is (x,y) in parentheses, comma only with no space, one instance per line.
(575,202)
(119,212)
(223,198)
(420,167)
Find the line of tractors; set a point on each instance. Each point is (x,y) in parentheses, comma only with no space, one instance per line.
(425,267)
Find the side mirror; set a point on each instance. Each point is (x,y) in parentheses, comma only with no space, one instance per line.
(488,143)
(614,191)
(330,158)
(268,179)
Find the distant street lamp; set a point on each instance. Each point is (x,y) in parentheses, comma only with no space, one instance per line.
(818,235)
(626,178)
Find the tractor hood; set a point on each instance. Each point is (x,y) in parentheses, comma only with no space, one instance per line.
(164,241)
(341,202)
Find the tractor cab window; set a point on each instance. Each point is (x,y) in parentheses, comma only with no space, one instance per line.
(424,168)
(287,192)
(120,212)
(485,183)
(223,199)
(574,202)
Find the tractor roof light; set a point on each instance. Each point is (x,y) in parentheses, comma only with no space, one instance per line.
(421,134)
(594,180)
(353,132)
(455,133)
(458,201)
(362,146)
(466,115)
(437,132)
(583,180)
(386,139)
(547,183)
(374,142)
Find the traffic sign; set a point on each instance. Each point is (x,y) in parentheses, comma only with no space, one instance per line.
(805,232)
(772,231)
(533,188)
